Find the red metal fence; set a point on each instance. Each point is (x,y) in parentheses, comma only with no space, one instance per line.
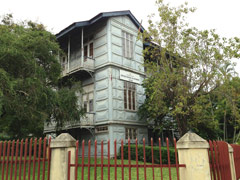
(25,159)
(219,160)
(236,155)
(114,168)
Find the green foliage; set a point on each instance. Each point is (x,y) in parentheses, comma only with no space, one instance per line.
(184,67)
(148,154)
(29,75)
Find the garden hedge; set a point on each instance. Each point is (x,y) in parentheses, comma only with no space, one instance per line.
(148,152)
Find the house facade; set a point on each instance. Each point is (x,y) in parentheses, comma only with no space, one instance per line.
(105,54)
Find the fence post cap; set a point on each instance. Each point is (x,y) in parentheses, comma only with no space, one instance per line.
(192,140)
(63,140)
(230,148)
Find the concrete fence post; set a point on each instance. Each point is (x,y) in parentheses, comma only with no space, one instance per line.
(193,152)
(232,164)
(59,157)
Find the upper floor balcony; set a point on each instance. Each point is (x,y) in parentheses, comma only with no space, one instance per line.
(77,64)
(86,121)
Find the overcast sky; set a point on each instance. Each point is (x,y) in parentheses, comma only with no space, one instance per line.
(222,15)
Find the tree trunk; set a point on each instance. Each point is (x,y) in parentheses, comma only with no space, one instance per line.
(182,125)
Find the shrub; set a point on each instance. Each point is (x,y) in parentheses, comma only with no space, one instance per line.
(148,152)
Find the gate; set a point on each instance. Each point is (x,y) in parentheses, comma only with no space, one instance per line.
(20,160)
(116,169)
(219,160)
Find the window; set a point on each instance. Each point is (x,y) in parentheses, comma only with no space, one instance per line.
(91,50)
(88,50)
(85,52)
(90,105)
(127,45)
(129,96)
(101,129)
(85,106)
(130,133)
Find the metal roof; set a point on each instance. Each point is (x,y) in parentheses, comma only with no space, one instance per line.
(97,18)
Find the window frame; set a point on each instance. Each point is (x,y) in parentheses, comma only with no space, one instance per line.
(127,45)
(129,96)
(131,133)
(88,51)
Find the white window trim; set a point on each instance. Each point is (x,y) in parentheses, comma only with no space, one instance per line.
(131,130)
(127,45)
(88,50)
(133,100)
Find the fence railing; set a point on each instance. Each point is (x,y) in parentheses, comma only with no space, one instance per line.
(220,163)
(118,167)
(236,155)
(25,158)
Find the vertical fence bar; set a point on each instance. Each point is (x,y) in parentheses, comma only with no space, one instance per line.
(115,158)
(25,159)
(129,160)
(16,160)
(12,154)
(20,160)
(0,151)
(39,157)
(83,148)
(49,158)
(29,159)
(102,160)
(169,163)
(144,157)
(122,166)
(213,165)
(69,164)
(8,154)
(108,159)
(160,156)
(89,154)
(76,161)
(152,158)
(95,161)
(44,157)
(216,159)
(176,158)
(34,157)
(3,161)
(137,168)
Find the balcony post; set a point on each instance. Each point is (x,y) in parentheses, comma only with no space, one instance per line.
(69,55)
(82,49)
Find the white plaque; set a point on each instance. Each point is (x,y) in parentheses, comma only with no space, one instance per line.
(129,76)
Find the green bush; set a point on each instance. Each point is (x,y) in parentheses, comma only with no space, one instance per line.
(148,152)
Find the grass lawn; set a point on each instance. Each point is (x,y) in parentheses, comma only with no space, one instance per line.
(157,171)
(149,173)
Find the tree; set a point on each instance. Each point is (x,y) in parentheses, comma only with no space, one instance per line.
(29,78)
(183,67)
(227,109)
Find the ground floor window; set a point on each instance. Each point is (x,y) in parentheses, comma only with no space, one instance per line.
(101,129)
(129,96)
(130,133)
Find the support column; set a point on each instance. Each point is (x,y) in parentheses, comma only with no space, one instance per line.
(193,152)
(59,157)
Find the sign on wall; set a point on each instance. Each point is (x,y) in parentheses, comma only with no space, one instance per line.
(129,76)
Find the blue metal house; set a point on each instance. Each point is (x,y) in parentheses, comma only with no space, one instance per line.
(106,56)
